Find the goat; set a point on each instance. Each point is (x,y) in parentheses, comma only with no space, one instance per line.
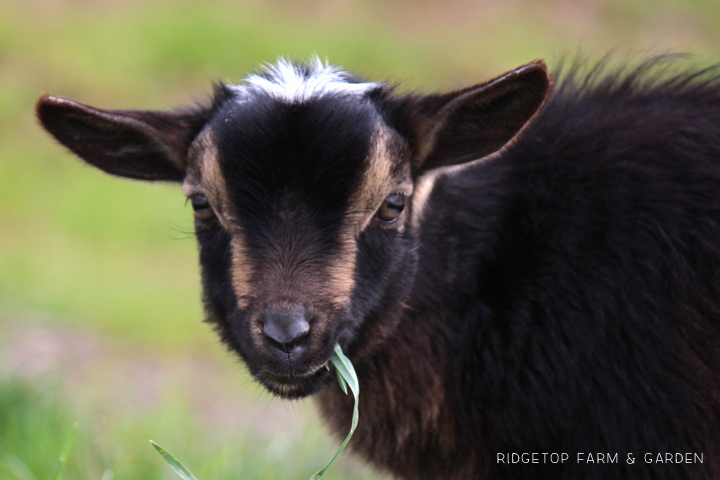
(526,277)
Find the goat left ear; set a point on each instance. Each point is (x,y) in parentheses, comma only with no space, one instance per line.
(472,123)
(142,144)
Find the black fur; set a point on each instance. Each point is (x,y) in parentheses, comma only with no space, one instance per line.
(572,286)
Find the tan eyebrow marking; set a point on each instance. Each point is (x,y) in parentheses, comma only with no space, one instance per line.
(380,178)
(204,176)
(378,181)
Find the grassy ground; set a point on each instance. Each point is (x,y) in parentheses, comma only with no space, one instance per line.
(79,250)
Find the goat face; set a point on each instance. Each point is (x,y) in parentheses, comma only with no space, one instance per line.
(307,187)
(301,220)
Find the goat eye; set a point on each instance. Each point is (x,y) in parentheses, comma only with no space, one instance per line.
(202,208)
(391,207)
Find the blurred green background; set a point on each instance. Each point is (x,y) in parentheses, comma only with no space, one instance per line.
(100,319)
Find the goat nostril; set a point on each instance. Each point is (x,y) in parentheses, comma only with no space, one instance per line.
(285,327)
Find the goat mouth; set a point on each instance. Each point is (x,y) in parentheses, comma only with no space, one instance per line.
(296,384)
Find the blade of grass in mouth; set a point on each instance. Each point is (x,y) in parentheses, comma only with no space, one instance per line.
(347,377)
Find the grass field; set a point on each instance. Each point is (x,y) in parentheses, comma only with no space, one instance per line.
(100,319)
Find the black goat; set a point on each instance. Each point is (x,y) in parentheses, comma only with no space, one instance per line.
(551,310)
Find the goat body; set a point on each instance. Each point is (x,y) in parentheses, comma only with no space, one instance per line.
(555,296)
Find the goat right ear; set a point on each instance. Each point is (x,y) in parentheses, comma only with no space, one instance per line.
(147,145)
(472,123)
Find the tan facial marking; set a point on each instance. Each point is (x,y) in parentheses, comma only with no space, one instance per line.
(377,183)
(204,176)
(241,270)
(341,271)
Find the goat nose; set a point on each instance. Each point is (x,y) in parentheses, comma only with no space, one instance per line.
(285,327)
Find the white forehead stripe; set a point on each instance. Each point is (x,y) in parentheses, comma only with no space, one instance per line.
(299,83)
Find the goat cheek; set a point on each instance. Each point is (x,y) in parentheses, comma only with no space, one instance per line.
(218,294)
(379,257)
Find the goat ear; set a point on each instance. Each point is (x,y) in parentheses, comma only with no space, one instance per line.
(146,145)
(472,123)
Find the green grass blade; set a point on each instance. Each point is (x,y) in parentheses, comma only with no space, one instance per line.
(174,463)
(65,453)
(346,375)
(341,381)
(16,467)
(344,366)
(108,474)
